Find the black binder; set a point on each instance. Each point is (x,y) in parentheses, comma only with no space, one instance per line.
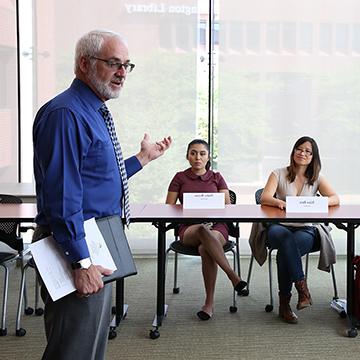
(112,230)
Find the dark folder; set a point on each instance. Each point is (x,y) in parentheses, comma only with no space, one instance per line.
(112,230)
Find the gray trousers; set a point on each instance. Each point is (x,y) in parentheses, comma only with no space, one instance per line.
(76,328)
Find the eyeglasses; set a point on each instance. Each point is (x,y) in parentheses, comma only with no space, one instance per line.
(299,151)
(115,65)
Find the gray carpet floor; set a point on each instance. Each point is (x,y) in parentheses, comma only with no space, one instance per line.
(250,333)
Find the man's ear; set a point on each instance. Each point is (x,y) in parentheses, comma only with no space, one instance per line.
(84,64)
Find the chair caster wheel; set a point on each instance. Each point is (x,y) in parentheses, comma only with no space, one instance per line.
(20,332)
(29,311)
(176,290)
(244,292)
(269,308)
(343,314)
(112,333)
(233,309)
(3,332)
(154,334)
(352,333)
(39,311)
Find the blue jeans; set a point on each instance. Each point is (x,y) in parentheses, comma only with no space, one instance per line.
(291,243)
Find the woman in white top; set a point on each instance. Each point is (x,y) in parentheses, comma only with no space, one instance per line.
(301,178)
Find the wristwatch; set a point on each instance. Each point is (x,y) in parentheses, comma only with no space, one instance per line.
(81,264)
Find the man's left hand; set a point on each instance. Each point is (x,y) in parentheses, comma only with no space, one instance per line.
(89,281)
(151,151)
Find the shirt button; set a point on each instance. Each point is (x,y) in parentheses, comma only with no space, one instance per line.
(67,253)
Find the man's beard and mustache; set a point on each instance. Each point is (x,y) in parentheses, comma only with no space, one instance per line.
(104,88)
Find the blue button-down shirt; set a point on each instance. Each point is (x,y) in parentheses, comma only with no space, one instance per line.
(75,168)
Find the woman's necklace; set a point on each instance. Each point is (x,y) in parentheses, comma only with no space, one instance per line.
(299,184)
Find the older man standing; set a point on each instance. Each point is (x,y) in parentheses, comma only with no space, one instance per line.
(80,174)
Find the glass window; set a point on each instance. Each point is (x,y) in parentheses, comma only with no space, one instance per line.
(202,33)
(8,94)
(342,38)
(356,38)
(289,37)
(266,103)
(160,96)
(306,37)
(325,38)
(183,37)
(216,33)
(262,104)
(165,35)
(253,37)
(236,34)
(273,37)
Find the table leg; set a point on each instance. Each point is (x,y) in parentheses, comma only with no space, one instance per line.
(119,310)
(160,303)
(352,330)
(119,301)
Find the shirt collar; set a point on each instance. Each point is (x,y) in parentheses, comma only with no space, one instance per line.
(192,175)
(87,94)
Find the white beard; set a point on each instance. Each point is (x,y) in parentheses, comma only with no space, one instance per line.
(103,88)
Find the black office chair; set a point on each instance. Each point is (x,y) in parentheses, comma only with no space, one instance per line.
(269,307)
(10,235)
(7,257)
(178,248)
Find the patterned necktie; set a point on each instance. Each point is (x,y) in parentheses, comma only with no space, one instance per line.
(119,159)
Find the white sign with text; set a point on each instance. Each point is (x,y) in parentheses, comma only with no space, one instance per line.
(307,204)
(204,201)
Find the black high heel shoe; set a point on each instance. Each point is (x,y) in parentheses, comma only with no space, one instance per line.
(240,286)
(203,315)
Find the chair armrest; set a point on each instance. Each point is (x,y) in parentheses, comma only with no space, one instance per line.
(172,226)
(26,228)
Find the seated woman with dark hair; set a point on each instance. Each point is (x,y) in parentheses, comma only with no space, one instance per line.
(292,241)
(209,238)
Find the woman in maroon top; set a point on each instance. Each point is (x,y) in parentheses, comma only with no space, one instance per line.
(209,238)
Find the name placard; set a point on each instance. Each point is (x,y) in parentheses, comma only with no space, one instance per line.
(307,204)
(204,201)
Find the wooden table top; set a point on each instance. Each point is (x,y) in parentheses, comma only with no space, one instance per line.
(241,213)
(245,213)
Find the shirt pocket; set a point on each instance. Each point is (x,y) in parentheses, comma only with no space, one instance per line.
(101,157)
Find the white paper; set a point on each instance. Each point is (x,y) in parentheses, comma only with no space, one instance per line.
(204,201)
(307,204)
(55,269)
(99,252)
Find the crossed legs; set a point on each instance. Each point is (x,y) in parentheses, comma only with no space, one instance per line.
(210,245)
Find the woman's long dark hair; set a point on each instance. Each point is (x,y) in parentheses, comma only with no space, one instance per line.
(202,142)
(313,169)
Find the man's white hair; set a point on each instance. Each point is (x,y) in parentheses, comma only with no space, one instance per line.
(91,43)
